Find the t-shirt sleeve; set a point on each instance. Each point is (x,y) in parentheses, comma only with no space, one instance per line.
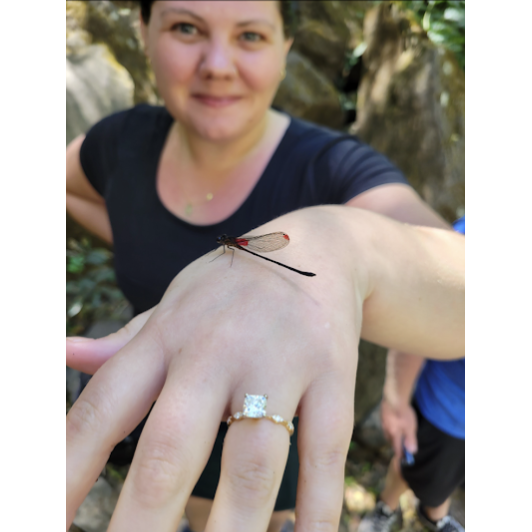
(352,167)
(99,151)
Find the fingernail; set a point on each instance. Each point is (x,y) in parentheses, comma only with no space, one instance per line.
(77,339)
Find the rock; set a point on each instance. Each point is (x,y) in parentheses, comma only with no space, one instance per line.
(370,378)
(96,86)
(95,512)
(411,107)
(75,528)
(328,31)
(117,25)
(369,431)
(76,37)
(308,94)
(358,499)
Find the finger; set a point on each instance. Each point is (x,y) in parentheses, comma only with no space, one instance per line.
(324,433)
(397,443)
(254,458)
(172,452)
(110,407)
(88,354)
(410,438)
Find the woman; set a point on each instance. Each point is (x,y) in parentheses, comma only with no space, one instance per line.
(162,183)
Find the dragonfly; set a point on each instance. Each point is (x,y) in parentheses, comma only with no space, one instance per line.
(260,244)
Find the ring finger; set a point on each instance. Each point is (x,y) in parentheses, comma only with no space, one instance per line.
(253,461)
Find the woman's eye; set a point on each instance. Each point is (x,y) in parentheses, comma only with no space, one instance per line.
(251,36)
(184,27)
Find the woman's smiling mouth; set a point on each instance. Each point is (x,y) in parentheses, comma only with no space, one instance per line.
(216,101)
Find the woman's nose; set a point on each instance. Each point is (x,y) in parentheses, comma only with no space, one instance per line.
(217,60)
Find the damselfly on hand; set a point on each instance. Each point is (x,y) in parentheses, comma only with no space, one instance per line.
(260,244)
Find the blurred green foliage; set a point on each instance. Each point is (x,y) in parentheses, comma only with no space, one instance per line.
(443,21)
(91,290)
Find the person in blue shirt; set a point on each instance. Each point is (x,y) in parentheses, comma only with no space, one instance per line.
(425,423)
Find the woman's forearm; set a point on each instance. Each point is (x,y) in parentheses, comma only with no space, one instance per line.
(91,215)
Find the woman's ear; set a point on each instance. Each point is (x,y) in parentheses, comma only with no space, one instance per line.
(287,45)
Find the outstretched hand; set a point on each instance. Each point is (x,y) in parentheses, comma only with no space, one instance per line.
(221,332)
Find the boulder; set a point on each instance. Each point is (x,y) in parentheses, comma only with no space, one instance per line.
(117,25)
(370,378)
(96,86)
(306,93)
(328,32)
(411,107)
(77,38)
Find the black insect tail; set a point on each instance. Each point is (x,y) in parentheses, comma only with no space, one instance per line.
(308,274)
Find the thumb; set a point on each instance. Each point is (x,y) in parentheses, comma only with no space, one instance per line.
(88,355)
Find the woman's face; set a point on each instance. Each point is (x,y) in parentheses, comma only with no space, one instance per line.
(217,63)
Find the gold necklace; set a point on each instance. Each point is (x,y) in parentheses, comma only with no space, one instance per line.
(190,206)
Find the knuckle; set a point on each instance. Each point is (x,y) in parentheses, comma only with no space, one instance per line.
(160,471)
(87,416)
(327,459)
(326,521)
(252,478)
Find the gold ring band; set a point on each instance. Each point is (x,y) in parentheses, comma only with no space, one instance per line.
(276,419)
(255,408)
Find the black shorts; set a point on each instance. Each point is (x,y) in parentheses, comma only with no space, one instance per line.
(208,481)
(439,464)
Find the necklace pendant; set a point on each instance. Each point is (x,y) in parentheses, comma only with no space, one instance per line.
(188,210)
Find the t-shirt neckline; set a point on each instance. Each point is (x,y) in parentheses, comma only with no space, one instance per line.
(277,155)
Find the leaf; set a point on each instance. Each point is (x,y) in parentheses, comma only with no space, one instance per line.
(86,284)
(98,256)
(360,49)
(456,15)
(426,21)
(74,309)
(76,264)
(436,38)
(439,26)
(104,275)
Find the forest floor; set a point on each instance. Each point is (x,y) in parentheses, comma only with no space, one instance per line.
(364,479)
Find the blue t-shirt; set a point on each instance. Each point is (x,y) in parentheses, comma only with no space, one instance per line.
(440,391)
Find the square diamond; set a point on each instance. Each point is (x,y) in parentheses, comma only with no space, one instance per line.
(255,405)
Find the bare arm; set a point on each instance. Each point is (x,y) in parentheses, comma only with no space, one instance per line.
(83,203)
(402,288)
(402,371)
(401,203)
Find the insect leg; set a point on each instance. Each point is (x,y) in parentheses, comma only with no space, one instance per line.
(222,253)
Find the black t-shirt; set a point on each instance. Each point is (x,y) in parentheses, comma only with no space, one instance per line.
(312,165)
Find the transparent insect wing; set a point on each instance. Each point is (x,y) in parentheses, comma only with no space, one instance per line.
(267,243)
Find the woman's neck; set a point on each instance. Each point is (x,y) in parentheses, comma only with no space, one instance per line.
(219,158)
